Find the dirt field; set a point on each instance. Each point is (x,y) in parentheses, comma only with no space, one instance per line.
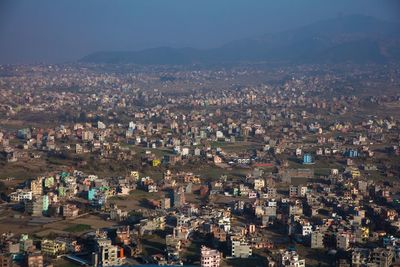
(18,223)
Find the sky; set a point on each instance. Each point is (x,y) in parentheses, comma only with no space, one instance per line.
(54,31)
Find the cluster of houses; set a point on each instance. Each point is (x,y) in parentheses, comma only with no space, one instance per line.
(339,213)
(295,171)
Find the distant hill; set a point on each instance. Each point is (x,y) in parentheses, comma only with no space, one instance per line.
(356,38)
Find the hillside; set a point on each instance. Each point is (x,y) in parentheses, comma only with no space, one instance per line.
(358,39)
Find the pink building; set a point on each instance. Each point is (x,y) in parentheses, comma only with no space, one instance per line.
(210,257)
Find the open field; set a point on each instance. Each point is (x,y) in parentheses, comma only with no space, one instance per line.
(77,228)
(18,223)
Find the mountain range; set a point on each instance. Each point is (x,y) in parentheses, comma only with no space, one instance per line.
(355,38)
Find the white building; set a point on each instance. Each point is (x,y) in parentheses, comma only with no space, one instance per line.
(291,259)
(101,125)
(21,195)
(343,241)
(210,257)
(241,249)
(259,184)
(306,229)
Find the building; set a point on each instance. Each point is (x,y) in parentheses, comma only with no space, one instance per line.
(382,257)
(49,182)
(360,257)
(307,159)
(25,243)
(108,254)
(37,186)
(34,207)
(87,135)
(210,257)
(317,239)
(5,260)
(35,260)
(293,191)
(117,214)
(343,241)
(259,184)
(53,247)
(123,235)
(91,193)
(306,228)
(134,175)
(70,210)
(291,259)
(240,249)
(351,153)
(179,197)
(271,192)
(149,225)
(166,203)
(11,247)
(302,191)
(21,195)
(45,203)
(78,149)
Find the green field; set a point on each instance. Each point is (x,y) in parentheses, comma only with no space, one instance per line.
(77,228)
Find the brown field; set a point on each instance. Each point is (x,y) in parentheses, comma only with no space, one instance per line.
(19,223)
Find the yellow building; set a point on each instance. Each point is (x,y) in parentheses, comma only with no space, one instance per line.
(364,232)
(156,162)
(49,182)
(37,186)
(53,247)
(355,173)
(135,175)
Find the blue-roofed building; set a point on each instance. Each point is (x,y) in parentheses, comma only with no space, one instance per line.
(307,159)
(352,153)
(45,203)
(91,193)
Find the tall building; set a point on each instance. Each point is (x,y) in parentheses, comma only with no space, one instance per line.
(37,186)
(166,203)
(179,197)
(25,243)
(34,207)
(382,257)
(342,241)
(108,254)
(210,257)
(317,239)
(45,203)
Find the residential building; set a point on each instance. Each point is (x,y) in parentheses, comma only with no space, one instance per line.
(317,239)
(240,249)
(291,259)
(210,257)
(53,247)
(35,259)
(179,197)
(382,257)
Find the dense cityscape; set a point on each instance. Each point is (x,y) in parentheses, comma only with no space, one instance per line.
(267,166)
(206,133)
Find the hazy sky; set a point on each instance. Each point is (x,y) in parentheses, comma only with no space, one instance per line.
(64,30)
